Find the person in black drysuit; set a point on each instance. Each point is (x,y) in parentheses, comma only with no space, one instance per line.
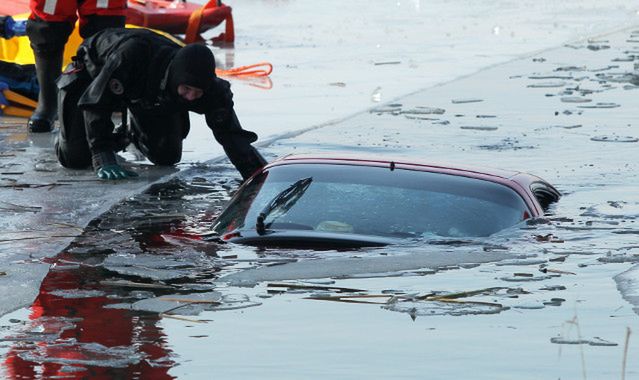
(158,82)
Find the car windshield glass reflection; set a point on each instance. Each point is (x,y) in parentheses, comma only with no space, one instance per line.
(376,201)
(282,203)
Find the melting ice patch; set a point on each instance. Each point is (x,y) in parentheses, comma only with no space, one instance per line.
(614,138)
(155,267)
(432,308)
(183,304)
(602,105)
(575,99)
(466,100)
(77,293)
(345,267)
(628,286)
(189,304)
(596,341)
(614,210)
(423,110)
(549,84)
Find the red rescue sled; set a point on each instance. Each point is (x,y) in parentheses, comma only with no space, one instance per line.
(175,17)
(13,7)
(180,17)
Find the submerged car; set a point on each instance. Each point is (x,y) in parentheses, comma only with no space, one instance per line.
(336,202)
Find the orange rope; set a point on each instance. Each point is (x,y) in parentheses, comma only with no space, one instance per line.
(262,69)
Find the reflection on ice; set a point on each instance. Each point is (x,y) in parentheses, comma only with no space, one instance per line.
(43,329)
(77,293)
(87,354)
(236,301)
(182,304)
(154,267)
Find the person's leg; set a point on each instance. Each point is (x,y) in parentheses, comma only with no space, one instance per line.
(71,145)
(47,41)
(98,15)
(159,136)
(91,24)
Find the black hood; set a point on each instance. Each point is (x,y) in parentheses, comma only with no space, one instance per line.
(192,65)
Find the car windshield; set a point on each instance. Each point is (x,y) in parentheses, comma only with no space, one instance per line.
(371,201)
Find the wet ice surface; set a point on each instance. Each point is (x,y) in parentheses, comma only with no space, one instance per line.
(335,58)
(628,285)
(401,311)
(43,207)
(551,290)
(567,284)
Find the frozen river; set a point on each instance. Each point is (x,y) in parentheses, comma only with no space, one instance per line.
(543,87)
(335,58)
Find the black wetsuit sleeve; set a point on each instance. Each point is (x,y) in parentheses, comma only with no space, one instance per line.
(221,118)
(217,106)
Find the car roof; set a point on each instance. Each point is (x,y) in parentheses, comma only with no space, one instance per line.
(398,162)
(519,181)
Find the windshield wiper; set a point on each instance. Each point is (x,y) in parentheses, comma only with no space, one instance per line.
(282,202)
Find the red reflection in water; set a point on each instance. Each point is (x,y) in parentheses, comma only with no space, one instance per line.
(108,327)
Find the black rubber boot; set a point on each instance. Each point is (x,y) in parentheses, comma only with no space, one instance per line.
(48,69)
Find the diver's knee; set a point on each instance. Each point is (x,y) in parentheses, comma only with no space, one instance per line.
(165,154)
(72,156)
